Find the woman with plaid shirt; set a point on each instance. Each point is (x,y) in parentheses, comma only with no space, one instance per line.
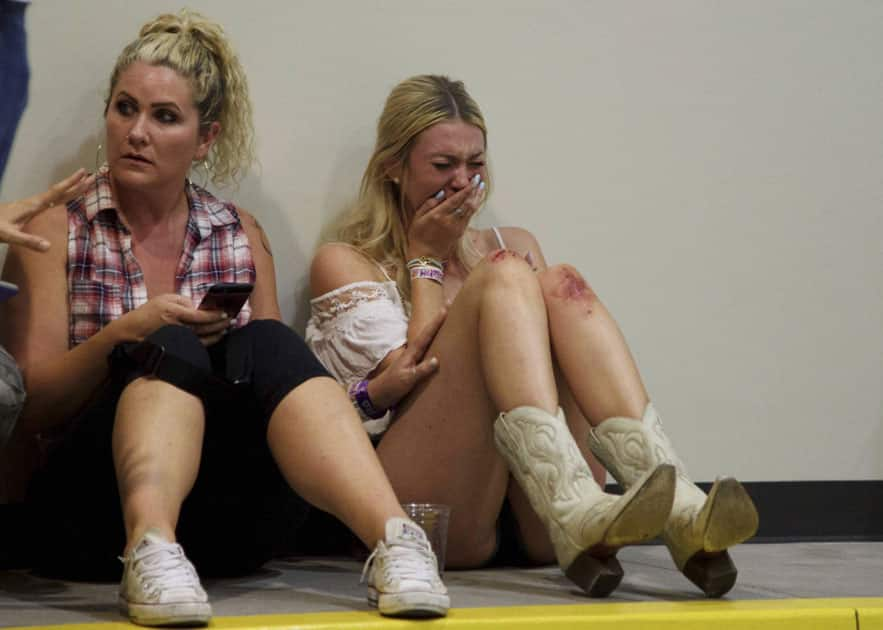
(202,422)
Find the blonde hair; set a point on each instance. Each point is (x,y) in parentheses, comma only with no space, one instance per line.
(197,49)
(376,224)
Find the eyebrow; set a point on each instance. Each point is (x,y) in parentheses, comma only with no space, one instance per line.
(153,105)
(451,156)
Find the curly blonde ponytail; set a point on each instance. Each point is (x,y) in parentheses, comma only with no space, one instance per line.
(198,50)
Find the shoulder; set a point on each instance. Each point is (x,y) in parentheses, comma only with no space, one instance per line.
(515,238)
(519,240)
(245,217)
(52,220)
(51,224)
(337,264)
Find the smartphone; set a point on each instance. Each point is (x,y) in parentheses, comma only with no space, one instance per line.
(226,296)
(7,290)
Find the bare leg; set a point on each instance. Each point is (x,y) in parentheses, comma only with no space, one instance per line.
(494,355)
(157,442)
(319,444)
(590,349)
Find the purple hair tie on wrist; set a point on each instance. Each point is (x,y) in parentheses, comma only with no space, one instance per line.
(359,394)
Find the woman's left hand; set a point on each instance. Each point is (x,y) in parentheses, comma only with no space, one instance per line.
(409,367)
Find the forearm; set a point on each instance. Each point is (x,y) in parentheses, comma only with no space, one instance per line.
(427,299)
(59,387)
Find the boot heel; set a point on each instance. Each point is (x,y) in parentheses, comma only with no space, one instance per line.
(596,576)
(730,517)
(715,574)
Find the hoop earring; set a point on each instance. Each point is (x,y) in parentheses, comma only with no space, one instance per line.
(206,174)
(98,160)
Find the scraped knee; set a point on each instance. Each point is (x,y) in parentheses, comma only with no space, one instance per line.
(564,283)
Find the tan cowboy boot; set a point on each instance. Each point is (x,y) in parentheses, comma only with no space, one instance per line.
(586,525)
(700,528)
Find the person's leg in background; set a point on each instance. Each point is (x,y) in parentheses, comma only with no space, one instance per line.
(14,73)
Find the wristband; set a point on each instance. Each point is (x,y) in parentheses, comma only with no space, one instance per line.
(426,261)
(359,394)
(427,273)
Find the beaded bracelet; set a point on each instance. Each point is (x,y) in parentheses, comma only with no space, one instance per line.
(359,394)
(426,261)
(427,273)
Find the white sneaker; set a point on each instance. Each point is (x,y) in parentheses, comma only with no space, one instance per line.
(403,576)
(160,586)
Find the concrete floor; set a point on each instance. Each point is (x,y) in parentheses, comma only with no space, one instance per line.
(767,571)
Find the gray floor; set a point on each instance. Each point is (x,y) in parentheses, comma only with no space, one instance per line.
(769,571)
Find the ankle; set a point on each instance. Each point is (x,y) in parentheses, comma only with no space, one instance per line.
(137,533)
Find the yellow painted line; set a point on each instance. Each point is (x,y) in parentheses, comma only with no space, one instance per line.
(870,616)
(788,614)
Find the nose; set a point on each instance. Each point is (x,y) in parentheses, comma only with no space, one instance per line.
(137,135)
(462,174)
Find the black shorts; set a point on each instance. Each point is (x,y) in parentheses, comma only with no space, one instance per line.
(240,510)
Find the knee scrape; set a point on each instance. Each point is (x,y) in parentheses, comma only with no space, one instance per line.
(502,254)
(572,287)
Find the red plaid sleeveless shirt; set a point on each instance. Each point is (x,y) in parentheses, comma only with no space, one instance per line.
(105,280)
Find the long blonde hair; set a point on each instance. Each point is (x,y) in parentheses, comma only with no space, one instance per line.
(197,49)
(376,224)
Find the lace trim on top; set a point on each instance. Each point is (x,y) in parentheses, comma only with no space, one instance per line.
(328,306)
(352,328)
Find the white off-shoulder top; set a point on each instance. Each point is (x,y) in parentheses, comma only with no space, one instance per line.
(352,328)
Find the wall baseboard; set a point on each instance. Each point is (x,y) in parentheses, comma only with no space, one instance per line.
(814,511)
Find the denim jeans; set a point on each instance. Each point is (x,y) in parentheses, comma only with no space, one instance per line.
(12,395)
(14,74)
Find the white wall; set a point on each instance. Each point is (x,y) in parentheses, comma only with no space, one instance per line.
(714,168)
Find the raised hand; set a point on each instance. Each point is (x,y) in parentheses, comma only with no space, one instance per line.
(439,223)
(14,215)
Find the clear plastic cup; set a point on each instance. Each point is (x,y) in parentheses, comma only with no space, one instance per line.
(433,518)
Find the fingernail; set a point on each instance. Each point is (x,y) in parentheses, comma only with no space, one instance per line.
(475,179)
(481,186)
(440,194)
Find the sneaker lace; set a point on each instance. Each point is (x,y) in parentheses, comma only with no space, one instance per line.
(166,567)
(405,562)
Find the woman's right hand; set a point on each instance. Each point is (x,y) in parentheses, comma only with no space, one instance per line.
(409,366)
(174,309)
(15,214)
(440,222)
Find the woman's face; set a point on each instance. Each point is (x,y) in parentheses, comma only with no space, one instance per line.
(152,127)
(444,157)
